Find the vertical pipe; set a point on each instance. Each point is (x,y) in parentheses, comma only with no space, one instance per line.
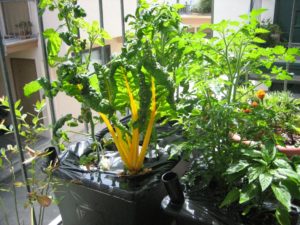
(291,33)
(122,20)
(8,91)
(101,16)
(45,57)
(251,5)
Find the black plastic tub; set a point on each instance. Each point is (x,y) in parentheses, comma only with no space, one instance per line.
(105,198)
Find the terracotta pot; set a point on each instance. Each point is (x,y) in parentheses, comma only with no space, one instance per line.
(289,150)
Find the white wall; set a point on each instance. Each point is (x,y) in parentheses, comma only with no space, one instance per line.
(232,9)
(270,6)
(229,9)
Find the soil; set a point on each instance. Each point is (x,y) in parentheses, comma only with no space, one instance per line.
(291,139)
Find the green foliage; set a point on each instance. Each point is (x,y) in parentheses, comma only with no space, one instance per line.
(270,33)
(287,110)
(29,126)
(265,175)
(222,102)
(204,6)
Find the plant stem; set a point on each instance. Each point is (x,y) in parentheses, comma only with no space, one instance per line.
(14,192)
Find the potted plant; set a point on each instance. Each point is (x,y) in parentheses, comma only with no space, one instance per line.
(283,121)
(24,29)
(272,38)
(219,72)
(140,80)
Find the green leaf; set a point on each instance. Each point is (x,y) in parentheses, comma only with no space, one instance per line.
(3,127)
(279,50)
(32,87)
(258,40)
(44,3)
(282,216)
(237,167)
(261,31)
(257,12)
(231,197)
(291,174)
(53,45)
(282,195)
(248,193)
(265,180)
(281,163)
(94,82)
(178,6)
(254,173)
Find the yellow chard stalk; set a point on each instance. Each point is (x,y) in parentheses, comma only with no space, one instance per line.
(128,147)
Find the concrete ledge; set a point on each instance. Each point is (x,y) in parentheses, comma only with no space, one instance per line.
(17,45)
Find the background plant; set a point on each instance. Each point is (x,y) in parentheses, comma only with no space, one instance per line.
(30,127)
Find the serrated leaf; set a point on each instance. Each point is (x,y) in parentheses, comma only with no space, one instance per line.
(31,88)
(265,180)
(261,31)
(258,40)
(283,196)
(279,50)
(53,44)
(231,197)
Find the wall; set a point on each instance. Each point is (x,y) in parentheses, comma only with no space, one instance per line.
(270,6)
(232,9)
(229,9)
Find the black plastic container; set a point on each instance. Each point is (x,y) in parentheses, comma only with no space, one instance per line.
(173,187)
(194,212)
(104,198)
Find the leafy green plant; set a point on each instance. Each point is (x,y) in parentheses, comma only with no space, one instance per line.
(217,70)
(30,126)
(142,78)
(286,108)
(263,175)
(218,107)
